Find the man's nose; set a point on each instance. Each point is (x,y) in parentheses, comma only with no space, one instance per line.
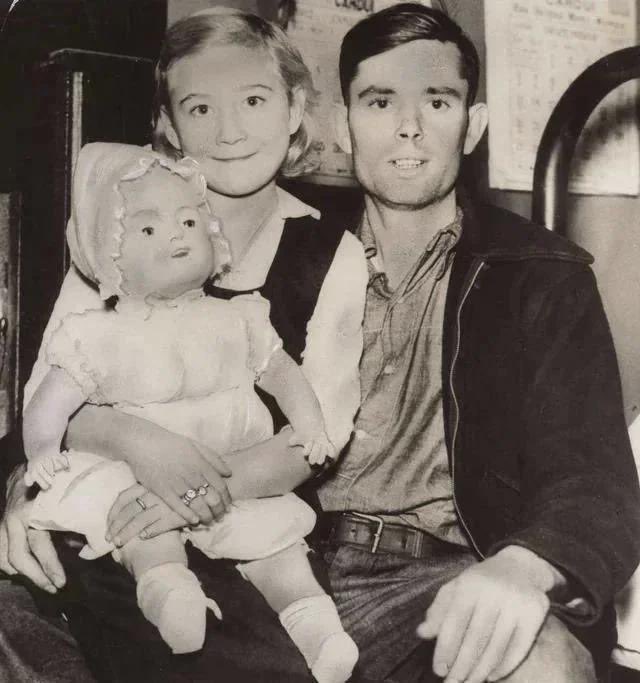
(410,125)
(230,128)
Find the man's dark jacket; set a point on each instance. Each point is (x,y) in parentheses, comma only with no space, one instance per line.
(535,430)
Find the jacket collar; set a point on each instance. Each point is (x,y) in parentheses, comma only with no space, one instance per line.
(493,234)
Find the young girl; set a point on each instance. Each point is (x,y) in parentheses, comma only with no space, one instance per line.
(234,94)
(188,362)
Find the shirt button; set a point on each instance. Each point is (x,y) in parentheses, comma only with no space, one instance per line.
(389,369)
(360,434)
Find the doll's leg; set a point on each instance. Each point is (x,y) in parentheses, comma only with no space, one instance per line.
(169,594)
(307,613)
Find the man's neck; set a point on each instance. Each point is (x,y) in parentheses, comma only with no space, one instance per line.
(242,217)
(402,235)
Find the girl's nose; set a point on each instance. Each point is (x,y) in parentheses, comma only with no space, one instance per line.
(230,128)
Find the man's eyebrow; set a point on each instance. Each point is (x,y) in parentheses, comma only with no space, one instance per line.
(444,90)
(251,86)
(375,90)
(190,96)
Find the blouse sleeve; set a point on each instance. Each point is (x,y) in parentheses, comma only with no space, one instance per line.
(76,296)
(334,340)
(263,340)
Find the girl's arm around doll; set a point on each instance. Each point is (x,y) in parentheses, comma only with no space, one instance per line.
(44,424)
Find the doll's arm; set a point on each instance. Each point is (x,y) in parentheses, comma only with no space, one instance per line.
(44,424)
(284,380)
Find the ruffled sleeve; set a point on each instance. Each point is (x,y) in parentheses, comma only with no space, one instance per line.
(69,347)
(75,296)
(262,339)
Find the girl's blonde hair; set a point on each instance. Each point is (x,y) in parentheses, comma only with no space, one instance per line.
(227,26)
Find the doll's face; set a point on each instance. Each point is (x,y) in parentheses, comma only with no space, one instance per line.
(166,250)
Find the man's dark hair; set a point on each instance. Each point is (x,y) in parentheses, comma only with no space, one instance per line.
(401,24)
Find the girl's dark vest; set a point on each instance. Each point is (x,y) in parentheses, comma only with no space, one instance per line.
(293,284)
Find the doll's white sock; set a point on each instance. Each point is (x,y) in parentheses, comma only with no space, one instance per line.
(314,626)
(171,598)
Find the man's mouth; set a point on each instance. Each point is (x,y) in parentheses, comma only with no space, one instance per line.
(180,252)
(408,163)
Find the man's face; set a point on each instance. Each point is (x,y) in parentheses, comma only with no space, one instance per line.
(409,124)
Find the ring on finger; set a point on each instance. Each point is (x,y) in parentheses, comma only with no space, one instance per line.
(202,490)
(189,496)
(141,503)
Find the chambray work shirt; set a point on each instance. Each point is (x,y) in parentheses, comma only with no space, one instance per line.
(396,465)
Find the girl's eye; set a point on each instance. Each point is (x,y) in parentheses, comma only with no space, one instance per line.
(148,230)
(254,100)
(189,223)
(200,110)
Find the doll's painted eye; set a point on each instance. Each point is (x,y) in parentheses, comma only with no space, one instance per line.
(189,223)
(148,230)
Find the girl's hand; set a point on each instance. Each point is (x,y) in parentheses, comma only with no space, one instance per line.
(42,469)
(138,512)
(318,450)
(173,465)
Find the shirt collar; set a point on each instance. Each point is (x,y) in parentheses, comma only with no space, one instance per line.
(365,233)
(292,207)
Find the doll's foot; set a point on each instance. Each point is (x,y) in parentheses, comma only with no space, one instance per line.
(337,656)
(171,598)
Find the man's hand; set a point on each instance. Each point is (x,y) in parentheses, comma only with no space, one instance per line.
(25,551)
(486,620)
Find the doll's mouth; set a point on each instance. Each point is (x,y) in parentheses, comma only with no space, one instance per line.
(181,252)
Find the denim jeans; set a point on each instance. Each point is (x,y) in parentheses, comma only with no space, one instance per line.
(382,598)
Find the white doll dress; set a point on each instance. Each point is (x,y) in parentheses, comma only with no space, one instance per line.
(190,366)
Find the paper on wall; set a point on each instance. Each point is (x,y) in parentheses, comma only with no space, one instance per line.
(535,49)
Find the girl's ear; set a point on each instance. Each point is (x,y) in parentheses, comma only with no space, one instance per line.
(166,127)
(340,115)
(296,109)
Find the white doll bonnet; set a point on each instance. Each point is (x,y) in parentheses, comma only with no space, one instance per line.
(95,229)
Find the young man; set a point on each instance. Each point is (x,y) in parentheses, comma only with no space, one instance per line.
(488,498)
(490,481)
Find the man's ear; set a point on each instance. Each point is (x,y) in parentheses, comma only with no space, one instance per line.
(296,109)
(340,115)
(168,129)
(478,119)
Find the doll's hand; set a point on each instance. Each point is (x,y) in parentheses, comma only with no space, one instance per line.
(317,449)
(42,469)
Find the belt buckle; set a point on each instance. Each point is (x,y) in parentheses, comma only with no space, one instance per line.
(378,532)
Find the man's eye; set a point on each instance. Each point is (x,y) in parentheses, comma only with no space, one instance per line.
(200,110)
(189,223)
(148,230)
(254,100)
(439,104)
(379,103)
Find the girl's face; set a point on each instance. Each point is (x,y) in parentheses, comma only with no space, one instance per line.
(230,111)
(166,250)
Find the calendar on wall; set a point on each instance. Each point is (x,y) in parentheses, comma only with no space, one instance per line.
(534,51)
(317,31)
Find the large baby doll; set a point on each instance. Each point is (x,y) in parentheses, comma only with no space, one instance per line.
(143,232)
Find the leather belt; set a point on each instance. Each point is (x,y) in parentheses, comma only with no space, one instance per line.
(376,535)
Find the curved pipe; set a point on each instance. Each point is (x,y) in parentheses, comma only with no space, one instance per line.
(558,143)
